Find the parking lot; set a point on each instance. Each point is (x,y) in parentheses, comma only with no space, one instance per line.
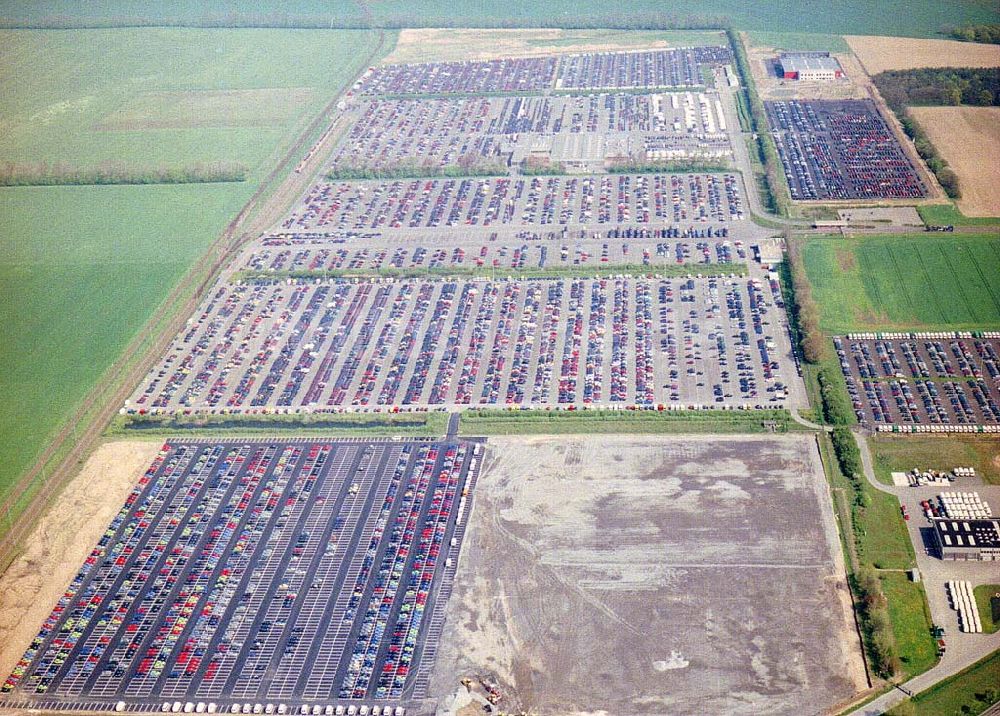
(592,201)
(922,379)
(264,570)
(841,149)
(500,131)
(364,345)
(646,69)
(527,250)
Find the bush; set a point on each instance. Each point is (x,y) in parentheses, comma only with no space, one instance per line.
(805,311)
(848,455)
(62,174)
(837,409)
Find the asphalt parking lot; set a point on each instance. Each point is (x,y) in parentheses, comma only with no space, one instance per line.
(298,253)
(644,69)
(263,571)
(571,201)
(840,149)
(922,380)
(501,131)
(342,345)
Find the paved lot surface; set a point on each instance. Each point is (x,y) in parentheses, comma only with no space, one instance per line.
(922,381)
(596,202)
(841,149)
(300,253)
(354,345)
(584,130)
(651,576)
(264,570)
(644,69)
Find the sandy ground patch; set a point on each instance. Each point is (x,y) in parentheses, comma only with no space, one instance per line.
(62,540)
(969,140)
(422,45)
(879,54)
(652,575)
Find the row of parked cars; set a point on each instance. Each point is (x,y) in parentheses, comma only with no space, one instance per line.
(363,344)
(561,201)
(841,149)
(280,261)
(900,380)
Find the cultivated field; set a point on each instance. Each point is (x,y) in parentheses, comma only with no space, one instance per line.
(641,576)
(923,282)
(447,45)
(82,268)
(879,54)
(969,140)
(923,18)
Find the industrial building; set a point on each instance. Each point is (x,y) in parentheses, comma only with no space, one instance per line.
(967,540)
(808,66)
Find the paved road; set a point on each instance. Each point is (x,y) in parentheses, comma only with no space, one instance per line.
(963,649)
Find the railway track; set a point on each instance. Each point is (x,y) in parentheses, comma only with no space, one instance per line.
(84,428)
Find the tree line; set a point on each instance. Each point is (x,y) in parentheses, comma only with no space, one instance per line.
(776,195)
(930,86)
(116,172)
(989,34)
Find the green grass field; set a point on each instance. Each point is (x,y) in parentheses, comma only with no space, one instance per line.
(168,95)
(894,17)
(944,214)
(911,622)
(82,268)
(968,692)
(895,453)
(519,422)
(799,41)
(984,594)
(920,282)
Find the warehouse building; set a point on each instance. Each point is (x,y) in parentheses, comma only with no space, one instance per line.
(809,66)
(968,540)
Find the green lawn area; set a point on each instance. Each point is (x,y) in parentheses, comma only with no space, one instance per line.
(948,697)
(168,96)
(911,622)
(984,594)
(883,540)
(517,422)
(896,453)
(894,17)
(799,41)
(922,282)
(346,424)
(82,268)
(944,214)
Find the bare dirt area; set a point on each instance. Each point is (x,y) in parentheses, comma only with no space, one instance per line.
(444,45)
(649,575)
(62,540)
(969,140)
(879,54)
